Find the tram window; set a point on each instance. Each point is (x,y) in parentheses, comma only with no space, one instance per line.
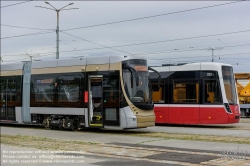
(11,93)
(2,90)
(185,75)
(157,92)
(2,97)
(212,92)
(11,96)
(111,97)
(18,89)
(68,93)
(43,90)
(111,88)
(9,90)
(69,89)
(96,91)
(111,82)
(186,91)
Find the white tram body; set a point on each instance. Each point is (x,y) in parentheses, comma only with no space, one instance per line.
(98,92)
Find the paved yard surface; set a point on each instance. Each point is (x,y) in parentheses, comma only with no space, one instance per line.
(53,147)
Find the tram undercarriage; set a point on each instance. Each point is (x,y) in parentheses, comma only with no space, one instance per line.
(61,122)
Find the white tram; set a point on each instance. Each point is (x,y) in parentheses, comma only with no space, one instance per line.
(90,92)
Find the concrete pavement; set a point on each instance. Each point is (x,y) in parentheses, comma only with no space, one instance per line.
(139,151)
(105,138)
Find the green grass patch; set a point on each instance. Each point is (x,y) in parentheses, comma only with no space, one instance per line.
(178,136)
(245,120)
(42,142)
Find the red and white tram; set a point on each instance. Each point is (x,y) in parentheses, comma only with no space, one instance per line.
(196,93)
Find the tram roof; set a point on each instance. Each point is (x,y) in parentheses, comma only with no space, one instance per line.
(191,66)
(81,61)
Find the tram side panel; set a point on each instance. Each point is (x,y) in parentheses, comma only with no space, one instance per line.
(57,99)
(10,97)
(64,94)
(212,110)
(160,101)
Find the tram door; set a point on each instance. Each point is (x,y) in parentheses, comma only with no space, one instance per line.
(7,99)
(95,101)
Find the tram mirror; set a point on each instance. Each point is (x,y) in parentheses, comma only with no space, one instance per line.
(132,70)
(159,76)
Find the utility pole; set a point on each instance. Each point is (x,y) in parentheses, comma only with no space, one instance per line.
(57,27)
(217,48)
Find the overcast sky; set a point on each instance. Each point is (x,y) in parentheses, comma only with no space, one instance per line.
(180,31)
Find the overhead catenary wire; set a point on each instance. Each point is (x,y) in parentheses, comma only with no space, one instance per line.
(153,52)
(15,4)
(98,44)
(67,44)
(197,56)
(147,17)
(186,38)
(30,34)
(104,47)
(178,50)
(45,54)
(32,54)
(160,59)
(170,40)
(123,21)
(152,59)
(38,56)
(158,41)
(86,41)
(13,26)
(170,51)
(230,49)
(22,59)
(120,21)
(231,62)
(221,55)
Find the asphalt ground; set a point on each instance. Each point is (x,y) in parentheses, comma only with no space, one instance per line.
(137,151)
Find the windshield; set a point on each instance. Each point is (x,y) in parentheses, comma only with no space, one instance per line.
(229,84)
(136,93)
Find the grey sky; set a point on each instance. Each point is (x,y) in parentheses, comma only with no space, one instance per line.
(209,21)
